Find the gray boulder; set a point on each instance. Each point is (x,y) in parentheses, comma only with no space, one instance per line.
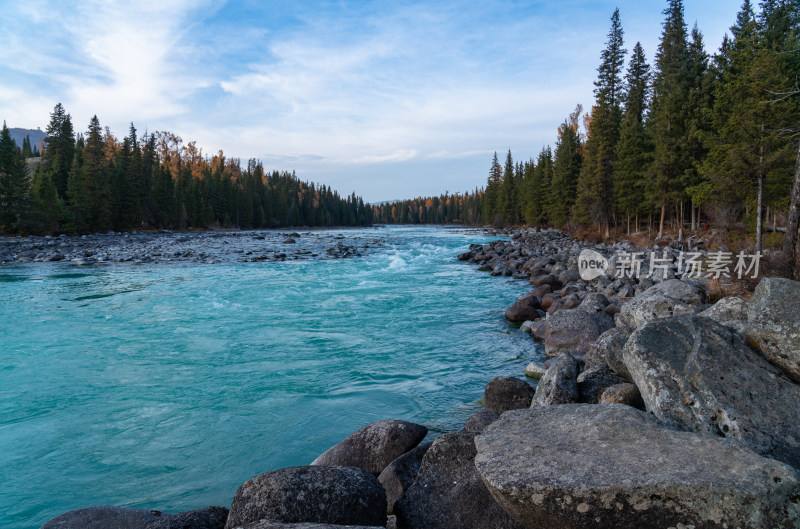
(584,466)
(535,370)
(592,382)
(480,420)
(607,349)
(697,375)
(266,524)
(773,323)
(108,517)
(666,299)
(559,385)
(573,330)
(208,518)
(448,492)
(730,308)
(374,446)
(507,393)
(319,494)
(104,517)
(401,473)
(625,393)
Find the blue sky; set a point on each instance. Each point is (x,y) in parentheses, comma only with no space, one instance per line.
(388,99)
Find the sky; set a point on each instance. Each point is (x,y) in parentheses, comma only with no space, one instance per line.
(390,99)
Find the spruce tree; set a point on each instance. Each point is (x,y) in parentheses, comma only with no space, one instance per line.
(595,186)
(14,183)
(668,112)
(59,148)
(508,208)
(633,150)
(492,194)
(97,178)
(567,162)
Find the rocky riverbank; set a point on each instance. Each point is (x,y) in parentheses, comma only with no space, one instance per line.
(655,409)
(189,246)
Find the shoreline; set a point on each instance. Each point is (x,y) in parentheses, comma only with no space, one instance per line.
(605,377)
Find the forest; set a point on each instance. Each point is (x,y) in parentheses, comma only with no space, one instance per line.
(688,141)
(94,183)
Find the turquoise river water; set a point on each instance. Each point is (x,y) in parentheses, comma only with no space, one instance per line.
(166,386)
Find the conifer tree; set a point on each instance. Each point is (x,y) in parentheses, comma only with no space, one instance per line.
(668,112)
(97,178)
(14,183)
(595,186)
(566,170)
(508,208)
(633,150)
(492,195)
(59,148)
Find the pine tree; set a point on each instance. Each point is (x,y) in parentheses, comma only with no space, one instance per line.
(77,194)
(14,184)
(595,186)
(508,208)
(97,178)
(492,194)
(633,150)
(566,170)
(668,112)
(59,149)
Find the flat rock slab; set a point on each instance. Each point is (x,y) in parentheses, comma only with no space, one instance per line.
(694,374)
(448,492)
(608,465)
(318,494)
(109,517)
(374,446)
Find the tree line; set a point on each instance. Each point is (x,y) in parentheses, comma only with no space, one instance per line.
(95,182)
(693,138)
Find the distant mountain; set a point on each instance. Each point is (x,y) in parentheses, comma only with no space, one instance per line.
(385,202)
(37,137)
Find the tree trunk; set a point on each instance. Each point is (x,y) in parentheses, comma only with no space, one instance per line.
(760,190)
(790,237)
(629,224)
(661,223)
(694,219)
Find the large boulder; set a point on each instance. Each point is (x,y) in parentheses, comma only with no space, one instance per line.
(584,466)
(559,385)
(266,524)
(573,330)
(607,349)
(507,393)
(319,494)
(109,517)
(666,299)
(773,323)
(401,473)
(104,517)
(695,374)
(480,420)
(448,492)
(208,518)
(625,393)
(374,446)
(521,311)
(592,382)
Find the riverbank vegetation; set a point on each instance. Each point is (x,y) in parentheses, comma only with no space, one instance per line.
(682,140)
(94,182)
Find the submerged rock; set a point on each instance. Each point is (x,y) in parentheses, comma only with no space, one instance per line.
(594,466)
(697,375)
(448,492)
(329,495)
(374,446)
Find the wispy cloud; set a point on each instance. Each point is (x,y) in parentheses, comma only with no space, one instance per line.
(356,93)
